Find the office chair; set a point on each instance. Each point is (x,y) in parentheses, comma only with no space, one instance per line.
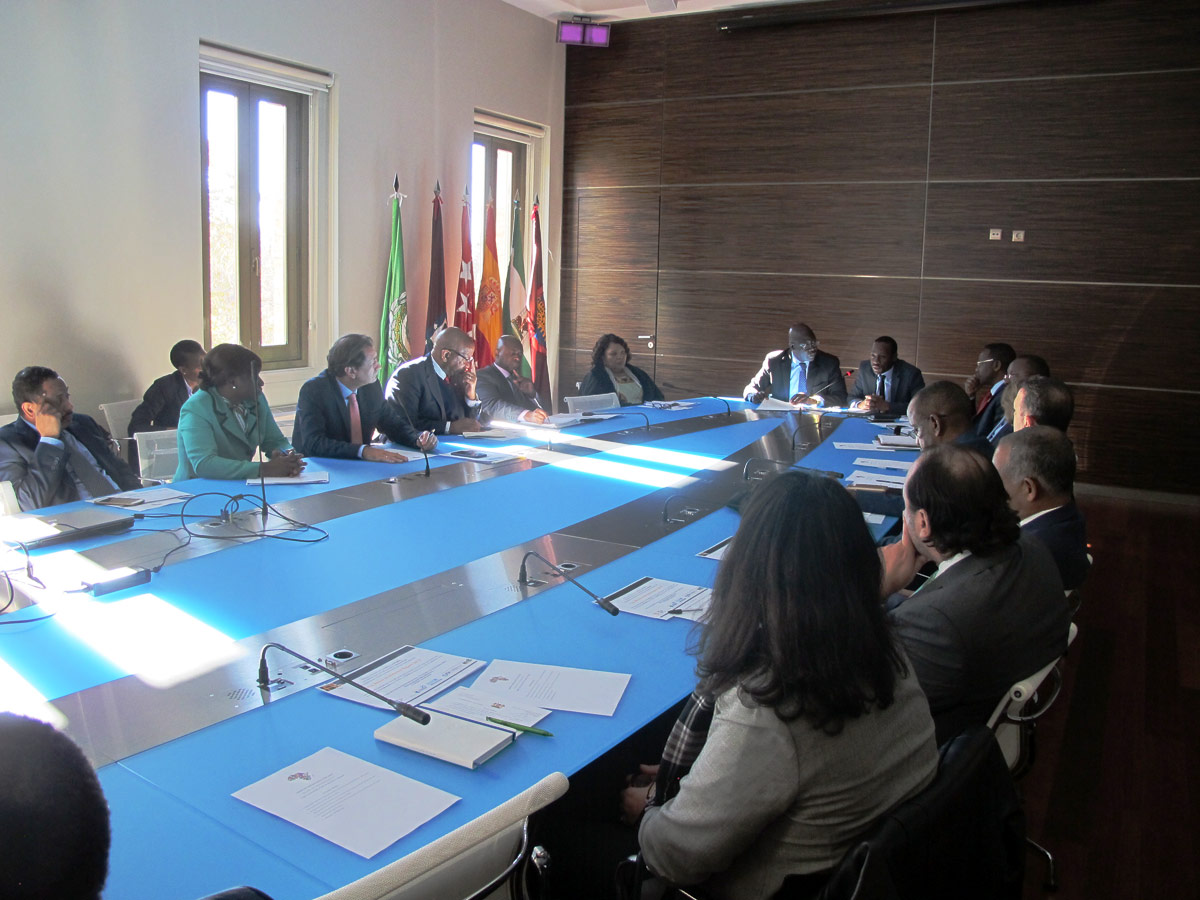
(9,504)
(589,402)
(118,413)
(485,858)
(158,455)
(1014,723)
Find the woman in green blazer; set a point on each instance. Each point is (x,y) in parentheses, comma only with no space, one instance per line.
(222,425)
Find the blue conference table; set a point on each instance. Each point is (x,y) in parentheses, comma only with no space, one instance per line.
(178,832)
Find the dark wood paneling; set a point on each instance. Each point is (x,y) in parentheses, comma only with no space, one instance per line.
(700,61)
(612,300)
(1144,126)
(1116,335)
(1133,231)
(568,307)
(609,146)
(864,229)
(1135,438)
(1047,39)
(866,135)
(629,68)
(617,229)
(744,317)
(570,243)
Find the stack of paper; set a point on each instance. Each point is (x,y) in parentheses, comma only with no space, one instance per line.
(448,738)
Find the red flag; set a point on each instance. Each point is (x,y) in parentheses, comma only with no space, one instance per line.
(489,312)
(435,313)
(464,301)
(535,315)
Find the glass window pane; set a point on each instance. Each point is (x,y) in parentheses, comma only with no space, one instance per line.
(272,222)
(504,211)
(221,182)
(478,201)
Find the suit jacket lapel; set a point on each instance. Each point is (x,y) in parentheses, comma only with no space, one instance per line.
(436,386)
(340,402)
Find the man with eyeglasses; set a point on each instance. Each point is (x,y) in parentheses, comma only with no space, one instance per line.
(801,374)
(985,384)
(940,413)
(1019,371)
(52,454)
(435,394)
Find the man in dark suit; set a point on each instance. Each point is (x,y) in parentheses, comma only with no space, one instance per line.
(800,374)
(940,413)
(339,410)
(53,455)
(503,392)
(159,409)
(885,383)
(435,394)
(994,611)
(1037,466)
(1019,371)
(985,385)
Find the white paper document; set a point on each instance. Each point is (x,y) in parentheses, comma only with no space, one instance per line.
(669,404)
(468,703)
(716,551)
(349,801)
(873,479)
(873,518)
(868,448)
(554,687)
(315,476)
(902,465)
(146,498)
(770,403)
(656,598)
(410,675)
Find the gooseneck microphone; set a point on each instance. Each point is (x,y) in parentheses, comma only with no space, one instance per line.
(775,462)
(728,408)
(404,409)
(523,578)
(264,679)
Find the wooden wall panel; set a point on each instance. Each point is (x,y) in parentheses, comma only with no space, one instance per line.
(864,229)
(621,302)
(1107,231)
(1137,126)
(610,146)
(700,61)
(752,313)
(1052,39)
(1133,438)
(629,68)
(617,229)
(1118,335)
(568,307)
(864,135)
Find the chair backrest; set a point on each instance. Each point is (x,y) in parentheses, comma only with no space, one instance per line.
(592,401)
(8,499)
(475,860)
(962,836)
(158,453)
(1026,702)
(118,413)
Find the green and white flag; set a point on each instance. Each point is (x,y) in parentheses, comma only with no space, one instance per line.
(393,327)
(514,288)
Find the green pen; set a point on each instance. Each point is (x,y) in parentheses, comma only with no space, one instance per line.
(523,728)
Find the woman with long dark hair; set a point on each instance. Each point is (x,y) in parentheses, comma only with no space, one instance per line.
(819,725)
(611,372)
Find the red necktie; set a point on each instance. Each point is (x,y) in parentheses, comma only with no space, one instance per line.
(356,436)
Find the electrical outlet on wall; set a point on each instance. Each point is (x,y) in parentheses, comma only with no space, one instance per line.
(1018,237)
(995,234)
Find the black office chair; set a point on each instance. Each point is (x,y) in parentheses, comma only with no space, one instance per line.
(963,836)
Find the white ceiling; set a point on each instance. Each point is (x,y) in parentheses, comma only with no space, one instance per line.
(607,10)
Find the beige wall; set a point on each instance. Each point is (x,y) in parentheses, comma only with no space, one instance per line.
(100,243)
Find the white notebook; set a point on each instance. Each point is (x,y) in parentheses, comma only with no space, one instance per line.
(454,740)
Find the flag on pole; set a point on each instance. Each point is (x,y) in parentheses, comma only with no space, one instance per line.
(393,326)
(489,313)
(514,288)
(464,302)
(535,314)
(435,313)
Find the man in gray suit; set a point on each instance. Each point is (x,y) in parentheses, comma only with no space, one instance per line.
(994,612)
(504,393)
(801,374)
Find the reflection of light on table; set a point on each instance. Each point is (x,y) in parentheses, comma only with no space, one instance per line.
(589,465)
(148,637)
(19,696)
